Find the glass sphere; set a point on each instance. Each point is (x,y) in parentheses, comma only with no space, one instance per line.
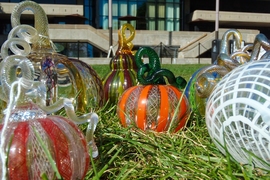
(238,113)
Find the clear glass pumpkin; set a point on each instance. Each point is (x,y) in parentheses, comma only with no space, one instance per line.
(63,76)
(33,141)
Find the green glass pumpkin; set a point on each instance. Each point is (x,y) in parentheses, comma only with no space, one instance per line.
(123,68)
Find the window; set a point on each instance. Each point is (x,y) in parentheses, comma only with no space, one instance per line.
(156,14)
(163,16)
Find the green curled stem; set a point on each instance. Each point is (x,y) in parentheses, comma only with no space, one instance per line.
(152,73)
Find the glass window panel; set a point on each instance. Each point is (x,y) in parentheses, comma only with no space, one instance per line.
(177,12)
(177,25)
(115,9)
(123,8)
(133,8)
(61,2)
(151,24)
(161,24)
(104,9)
(122,22)
(161,10)
(151,10)
(105,22)
(90,50)
(169,24)
(133,23)
(75,49)
(45,2)
(115,23)
(169,10)
(86,3)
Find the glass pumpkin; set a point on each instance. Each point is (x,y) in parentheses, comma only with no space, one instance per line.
(26,156)
(23,154)
(152,107)
(123,67)
(238,114)
(196,103)
(201,85)
(63,76)
(204,80)
(33,143)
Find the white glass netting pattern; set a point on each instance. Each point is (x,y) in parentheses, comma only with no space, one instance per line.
(131,104)
(77,151)
(39,162)
(152,108)
(153,103)
(238,113)
(173,99)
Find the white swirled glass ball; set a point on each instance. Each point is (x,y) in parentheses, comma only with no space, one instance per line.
(238,114)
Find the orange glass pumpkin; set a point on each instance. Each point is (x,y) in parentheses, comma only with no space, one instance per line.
(153,107)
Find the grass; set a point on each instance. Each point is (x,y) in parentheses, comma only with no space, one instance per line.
(129,153)
(179,70)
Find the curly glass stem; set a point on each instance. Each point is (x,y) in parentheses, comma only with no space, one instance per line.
(207,78)
(19,46)
(155,75)
(243,57)
(224,47)
(41,22)
(25,32)
(260,41)
(126,42)
(12,69)
(13,45)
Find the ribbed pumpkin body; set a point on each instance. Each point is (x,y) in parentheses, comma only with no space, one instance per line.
(123,67)
(26,158)
(152,107)
(121,77)
(197,103)
(69,78)
(63,77)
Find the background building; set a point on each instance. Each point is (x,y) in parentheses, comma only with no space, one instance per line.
(80,27)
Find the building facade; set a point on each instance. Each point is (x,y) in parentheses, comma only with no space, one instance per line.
(162,16)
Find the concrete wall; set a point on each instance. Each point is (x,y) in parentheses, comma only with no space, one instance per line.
(100,38)
(55,9)
(106,61)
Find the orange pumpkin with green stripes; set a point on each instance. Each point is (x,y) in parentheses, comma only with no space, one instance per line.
(154,107)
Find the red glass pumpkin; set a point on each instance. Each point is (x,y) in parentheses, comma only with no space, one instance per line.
(26,158)
(153,107)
